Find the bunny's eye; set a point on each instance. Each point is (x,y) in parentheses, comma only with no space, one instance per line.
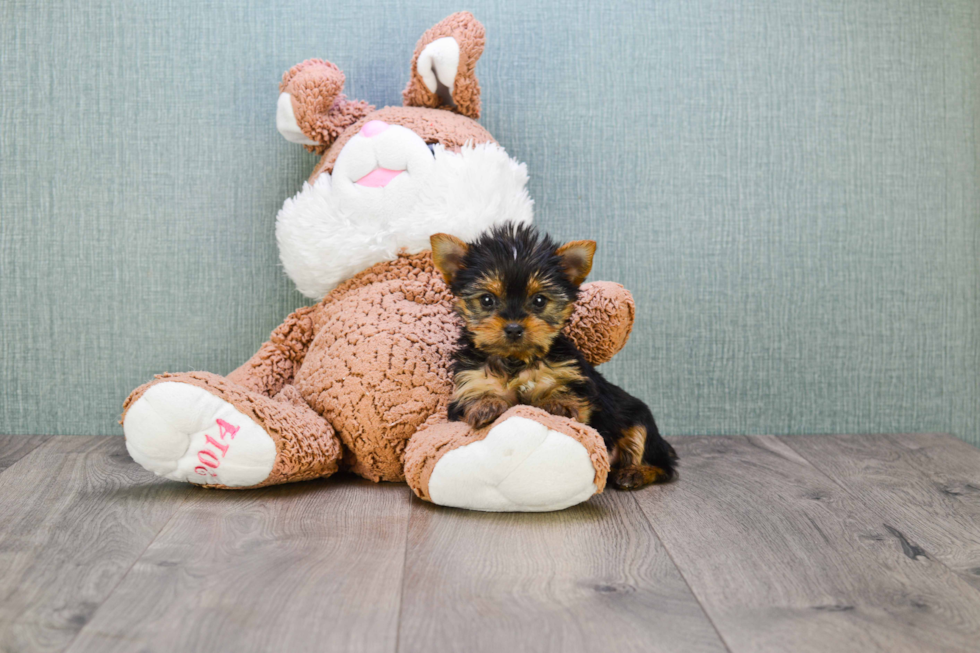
(432,148)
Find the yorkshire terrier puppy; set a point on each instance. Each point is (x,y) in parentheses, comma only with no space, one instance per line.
(515,290)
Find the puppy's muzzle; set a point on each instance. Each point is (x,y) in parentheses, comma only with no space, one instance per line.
(514,331)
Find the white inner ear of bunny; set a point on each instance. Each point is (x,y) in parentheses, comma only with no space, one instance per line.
(439,62)
(286,121)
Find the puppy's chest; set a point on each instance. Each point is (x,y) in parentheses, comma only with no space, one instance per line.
(526,384)
(531,383)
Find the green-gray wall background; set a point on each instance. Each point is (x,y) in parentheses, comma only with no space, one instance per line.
(789,188)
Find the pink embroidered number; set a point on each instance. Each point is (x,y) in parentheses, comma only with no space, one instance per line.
(209,459)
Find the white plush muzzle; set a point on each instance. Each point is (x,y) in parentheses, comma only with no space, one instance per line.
(334,228)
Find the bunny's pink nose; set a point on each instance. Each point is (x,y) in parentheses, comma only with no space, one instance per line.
(373,128)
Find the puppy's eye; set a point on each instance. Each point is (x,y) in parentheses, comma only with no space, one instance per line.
(432,148)
(486,301)
(539,301)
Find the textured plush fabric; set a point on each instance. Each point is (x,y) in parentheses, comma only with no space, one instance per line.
(306,444)
(379,365)
(462,192)
(471,37)
(438,436)
(433,125)
(320,109)
(602,320)
(370,364)
(789,189)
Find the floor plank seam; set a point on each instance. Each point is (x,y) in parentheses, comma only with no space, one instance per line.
(122,577)
(401,588)
(680,572)
(52,443)
(895,532)
(44,440)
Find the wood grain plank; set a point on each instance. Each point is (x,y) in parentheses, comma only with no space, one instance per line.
(928,483)
(303,567)
(15,447)
(75,514)
(593,577)
(23,637)
(784,559)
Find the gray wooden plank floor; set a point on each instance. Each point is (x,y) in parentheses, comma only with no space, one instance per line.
(812,543)
(15,447)
(594,577)
(924,482)
(75,515)
(784,559)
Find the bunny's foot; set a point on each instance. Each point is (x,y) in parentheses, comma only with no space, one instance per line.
(526,461)
(200,428)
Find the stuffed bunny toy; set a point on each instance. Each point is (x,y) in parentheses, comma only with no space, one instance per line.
(360,381)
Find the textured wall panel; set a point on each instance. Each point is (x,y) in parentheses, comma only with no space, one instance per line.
(789,188)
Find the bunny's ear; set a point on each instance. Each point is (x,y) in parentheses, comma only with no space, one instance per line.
(443,67)
(311,110)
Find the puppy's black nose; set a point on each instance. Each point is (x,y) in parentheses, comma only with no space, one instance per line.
(513,331)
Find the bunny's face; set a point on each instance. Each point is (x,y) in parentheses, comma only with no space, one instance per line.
(390,178)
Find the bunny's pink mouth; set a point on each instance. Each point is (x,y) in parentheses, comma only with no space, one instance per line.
(378,178)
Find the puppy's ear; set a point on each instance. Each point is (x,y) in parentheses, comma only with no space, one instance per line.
(576,258)
(447,253)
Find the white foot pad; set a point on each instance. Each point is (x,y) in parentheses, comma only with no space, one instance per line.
(521,466)
(185,433)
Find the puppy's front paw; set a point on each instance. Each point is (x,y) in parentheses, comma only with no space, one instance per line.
(570,407)
(485,410)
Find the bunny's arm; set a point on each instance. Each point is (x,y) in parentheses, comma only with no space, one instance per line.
(602,321)
(275,363)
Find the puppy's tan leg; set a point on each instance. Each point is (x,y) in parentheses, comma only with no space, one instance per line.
(628,471)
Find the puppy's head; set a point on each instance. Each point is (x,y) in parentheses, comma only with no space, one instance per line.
(514,288)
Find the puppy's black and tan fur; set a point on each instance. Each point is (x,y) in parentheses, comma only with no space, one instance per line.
(515,290)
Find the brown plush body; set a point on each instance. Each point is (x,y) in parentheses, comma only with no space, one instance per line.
(362,380)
